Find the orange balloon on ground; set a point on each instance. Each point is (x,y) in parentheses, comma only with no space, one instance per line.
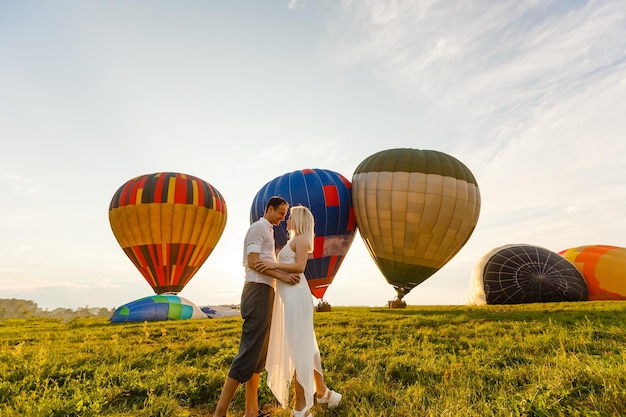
(168,224)
(604,269)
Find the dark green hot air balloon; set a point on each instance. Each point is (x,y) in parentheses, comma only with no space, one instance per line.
(415,209)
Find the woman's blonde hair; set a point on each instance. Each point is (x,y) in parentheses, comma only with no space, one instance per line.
(302,223)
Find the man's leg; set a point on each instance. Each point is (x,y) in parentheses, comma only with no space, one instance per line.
(230,386)
(256,311)
(252,385)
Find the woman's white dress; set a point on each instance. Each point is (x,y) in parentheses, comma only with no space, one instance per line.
(292,345)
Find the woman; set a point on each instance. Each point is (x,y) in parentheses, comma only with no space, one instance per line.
(293,354)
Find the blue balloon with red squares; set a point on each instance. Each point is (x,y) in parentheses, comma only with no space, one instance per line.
(328,195)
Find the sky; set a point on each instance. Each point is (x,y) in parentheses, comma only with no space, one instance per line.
(529,95)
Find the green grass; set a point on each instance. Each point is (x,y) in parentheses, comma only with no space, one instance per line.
(560,359)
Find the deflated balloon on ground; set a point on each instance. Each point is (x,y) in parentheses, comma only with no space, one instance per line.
(604,269)
(521,273)
(157,308)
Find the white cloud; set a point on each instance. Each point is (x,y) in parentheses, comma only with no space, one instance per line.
(18,184)
(20,250)
(107,283)
(296,4)
(273,154)
(20,285)
(486,61)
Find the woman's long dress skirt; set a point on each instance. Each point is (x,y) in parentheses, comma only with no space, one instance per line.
(292,345)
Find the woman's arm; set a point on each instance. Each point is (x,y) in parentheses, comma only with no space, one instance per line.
(285,276)
(300,247)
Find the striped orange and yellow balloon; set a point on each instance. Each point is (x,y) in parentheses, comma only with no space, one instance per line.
(415,209)
(167,223)
(603,267)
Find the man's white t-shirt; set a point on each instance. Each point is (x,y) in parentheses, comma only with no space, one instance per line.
(259,239)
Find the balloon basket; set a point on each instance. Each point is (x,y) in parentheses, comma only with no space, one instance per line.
(397,303)
(322,306)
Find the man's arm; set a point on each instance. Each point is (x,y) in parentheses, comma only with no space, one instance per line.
(298,266)
(289,278)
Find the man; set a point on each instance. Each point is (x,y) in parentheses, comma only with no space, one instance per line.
(257,300)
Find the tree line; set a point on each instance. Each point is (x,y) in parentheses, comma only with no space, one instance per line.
(17,308)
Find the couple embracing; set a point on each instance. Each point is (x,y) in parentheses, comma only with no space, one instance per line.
(277,332)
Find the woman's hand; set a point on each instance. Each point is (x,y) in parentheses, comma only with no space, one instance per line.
(263,266)
(291,279)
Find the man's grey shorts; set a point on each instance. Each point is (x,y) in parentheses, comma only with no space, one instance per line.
(257,301)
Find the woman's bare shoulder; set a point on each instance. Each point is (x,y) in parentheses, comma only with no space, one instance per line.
(298,240)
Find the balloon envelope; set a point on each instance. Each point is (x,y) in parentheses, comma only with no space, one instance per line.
(415,209)
(328,195)
(157,308)
(516,274)
(167,224)
(604,270)
(214,312)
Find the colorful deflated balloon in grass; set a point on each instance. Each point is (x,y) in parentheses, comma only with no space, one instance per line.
(604,270)
(168,224)
(156,308)
(516,274)
(415,209)
(328,195)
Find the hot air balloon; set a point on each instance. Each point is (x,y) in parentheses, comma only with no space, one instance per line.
(604,270)
(157,308)
(168,224)
(214,312)
(516,274)
(415,209)
(328,195)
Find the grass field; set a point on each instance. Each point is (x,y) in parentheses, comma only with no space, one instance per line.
(559,359)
